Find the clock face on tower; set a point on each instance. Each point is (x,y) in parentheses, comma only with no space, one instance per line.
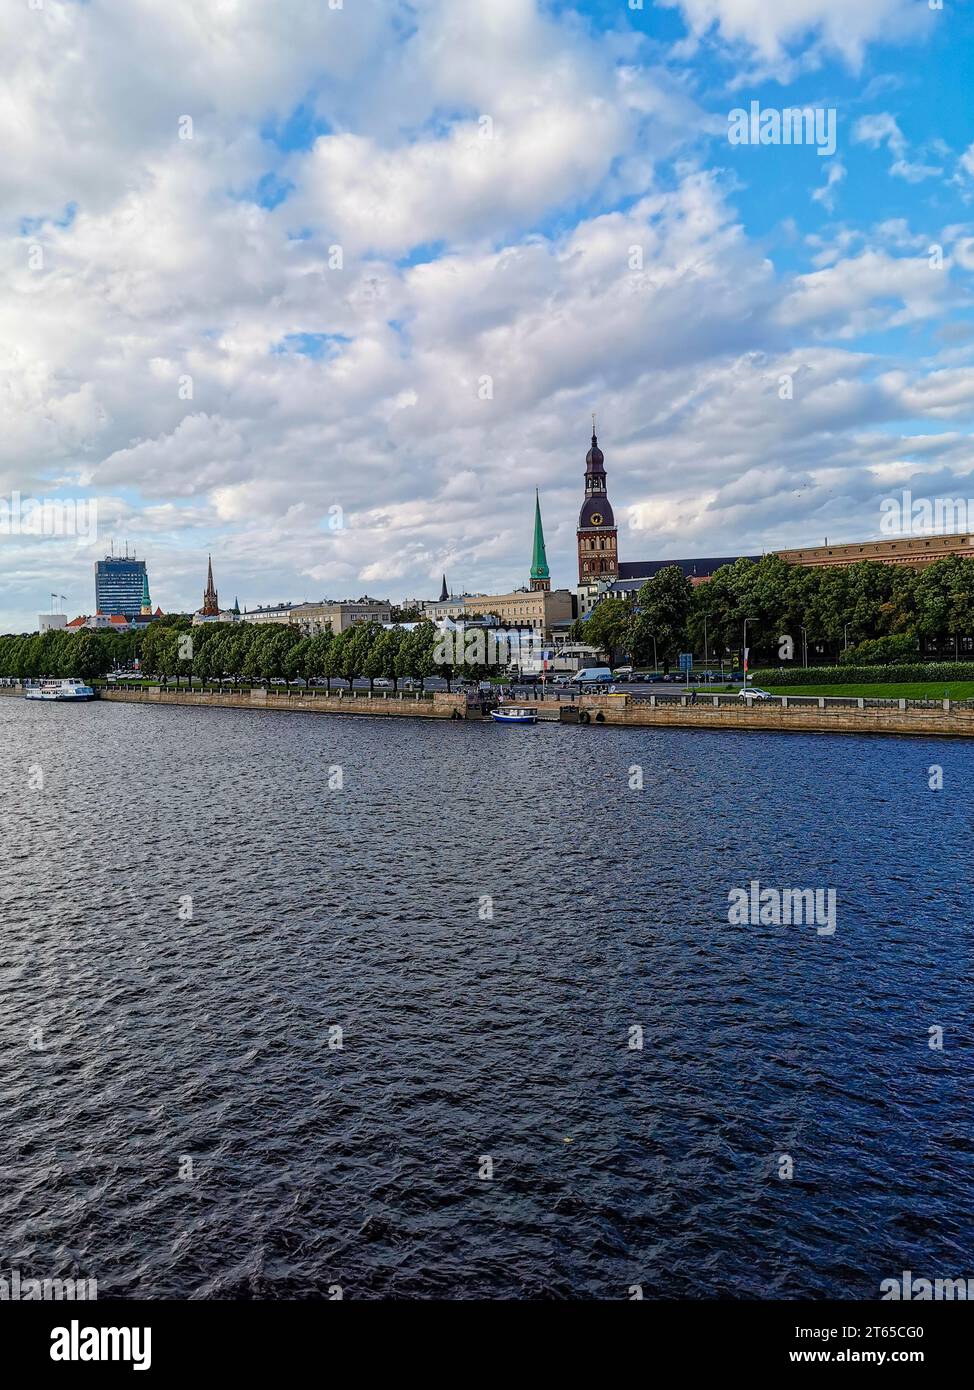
(596,518)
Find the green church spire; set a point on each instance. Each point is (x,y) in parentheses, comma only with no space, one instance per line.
(539,560)
(146,604)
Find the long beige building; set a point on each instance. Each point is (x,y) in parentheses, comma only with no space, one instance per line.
(315,617)
(905,550)
(538,609)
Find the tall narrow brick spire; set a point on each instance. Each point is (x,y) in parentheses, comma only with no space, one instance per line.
(211,602)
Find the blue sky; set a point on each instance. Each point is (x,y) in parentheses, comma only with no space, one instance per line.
(268,261)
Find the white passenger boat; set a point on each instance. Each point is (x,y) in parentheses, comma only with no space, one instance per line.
(514,716)
(71,689)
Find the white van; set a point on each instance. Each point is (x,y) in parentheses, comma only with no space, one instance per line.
(593,675)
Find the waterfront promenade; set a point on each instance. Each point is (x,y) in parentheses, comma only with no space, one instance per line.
(781,714)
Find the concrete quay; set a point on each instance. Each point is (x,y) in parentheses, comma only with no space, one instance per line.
(780,715)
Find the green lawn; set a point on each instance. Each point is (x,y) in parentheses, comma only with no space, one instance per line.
(911,690)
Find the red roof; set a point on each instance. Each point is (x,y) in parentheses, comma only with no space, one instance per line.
(118,618)
(76,622)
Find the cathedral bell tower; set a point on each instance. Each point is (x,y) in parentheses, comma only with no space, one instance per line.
(597,536)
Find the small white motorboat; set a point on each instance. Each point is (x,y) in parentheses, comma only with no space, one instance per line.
(511,715)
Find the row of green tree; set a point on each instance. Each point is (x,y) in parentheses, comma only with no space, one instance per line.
(832,613)
(239,652)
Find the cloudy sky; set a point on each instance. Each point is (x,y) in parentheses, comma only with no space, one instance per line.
(328,287)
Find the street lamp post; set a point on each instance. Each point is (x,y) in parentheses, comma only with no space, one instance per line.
(845,637)
(746,621)
(804,648)
(706,661)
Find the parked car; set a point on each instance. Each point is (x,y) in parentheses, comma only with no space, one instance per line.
(382,683)
(753,693)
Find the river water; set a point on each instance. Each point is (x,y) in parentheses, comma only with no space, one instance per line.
(494,919)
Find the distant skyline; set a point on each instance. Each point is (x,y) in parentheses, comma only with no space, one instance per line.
(328,293)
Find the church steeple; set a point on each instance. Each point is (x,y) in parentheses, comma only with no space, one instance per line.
(444,595)
(540,578)
(211,602)
(146,609)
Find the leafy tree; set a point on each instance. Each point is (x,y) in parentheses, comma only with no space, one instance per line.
(944,603)
(881,651)
(608,626)
(422,645)
(662,611)
(318,657)
(373,665)
(361,639)
(334,659)
(91,656)
(297,663)
(391,649)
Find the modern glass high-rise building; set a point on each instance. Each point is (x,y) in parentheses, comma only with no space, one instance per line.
(119,585)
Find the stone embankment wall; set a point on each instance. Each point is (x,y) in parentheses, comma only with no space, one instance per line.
(775,716)
(438,706)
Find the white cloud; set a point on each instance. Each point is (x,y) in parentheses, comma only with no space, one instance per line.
(864,293)
(833,25)
(878,129)
(835,172)
(883,129)
(473,182)
(196,361)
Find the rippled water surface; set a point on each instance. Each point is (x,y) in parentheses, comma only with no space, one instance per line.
(468,1036)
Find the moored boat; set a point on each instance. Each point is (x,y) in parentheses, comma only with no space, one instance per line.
(514,716)
(70,689)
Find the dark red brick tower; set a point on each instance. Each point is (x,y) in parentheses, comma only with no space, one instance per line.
(598,549)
